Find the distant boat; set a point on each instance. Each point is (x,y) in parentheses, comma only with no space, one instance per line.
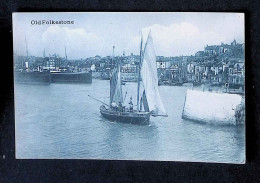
(27,75)
(196,83)
(148,99)
(32,77)
(105,74)
(71,77)
(170,83)
(130,77)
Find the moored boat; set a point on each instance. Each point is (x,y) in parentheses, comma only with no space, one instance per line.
(25,74)
(32,77)
(71,77)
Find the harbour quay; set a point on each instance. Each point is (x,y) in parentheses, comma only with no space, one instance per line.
(52,69)
(217,65)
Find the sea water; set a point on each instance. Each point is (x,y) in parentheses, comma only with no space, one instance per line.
(60,121)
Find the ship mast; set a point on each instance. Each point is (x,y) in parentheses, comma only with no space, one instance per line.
(65,53)
(113,56)
(27,55)
(139,74)
(111,79)
(26,48)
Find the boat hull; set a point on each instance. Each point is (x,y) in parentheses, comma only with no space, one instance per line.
(32,77)
(70,77)
(125,117)
(105,75)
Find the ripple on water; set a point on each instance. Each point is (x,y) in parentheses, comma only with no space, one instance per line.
(61,121)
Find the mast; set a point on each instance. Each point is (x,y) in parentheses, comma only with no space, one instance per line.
(26,48)
(65,53)
(139,74)
(113,56)
(27,55)
(111,79)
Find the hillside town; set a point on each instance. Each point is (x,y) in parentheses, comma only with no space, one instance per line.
(215,65)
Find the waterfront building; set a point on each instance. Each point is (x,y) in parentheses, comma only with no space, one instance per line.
(129,72)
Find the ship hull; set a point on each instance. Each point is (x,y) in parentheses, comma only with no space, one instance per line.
(125,117)
(78,77)
(32,77)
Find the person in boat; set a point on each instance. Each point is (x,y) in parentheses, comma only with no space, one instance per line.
(114,106)
(120,107)
(131,105)
(155,111)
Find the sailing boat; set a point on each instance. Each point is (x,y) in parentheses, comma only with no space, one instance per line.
(148,98)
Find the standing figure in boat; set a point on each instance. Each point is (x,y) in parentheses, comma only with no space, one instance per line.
(148,98)
(131,105)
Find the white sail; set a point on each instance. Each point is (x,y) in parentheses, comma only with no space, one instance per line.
(150,79)
(118,96)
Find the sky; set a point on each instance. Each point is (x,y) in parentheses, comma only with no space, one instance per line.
(174,34)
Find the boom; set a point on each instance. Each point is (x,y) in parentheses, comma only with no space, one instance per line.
(98,100)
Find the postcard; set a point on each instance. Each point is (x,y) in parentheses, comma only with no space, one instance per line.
(149,86)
